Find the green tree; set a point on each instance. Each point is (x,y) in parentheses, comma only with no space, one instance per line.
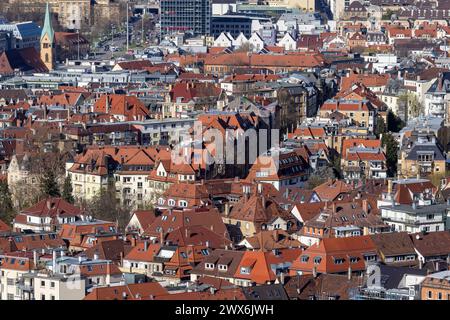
(49,184)
(6,205)
(105,206)
(67,190)
(391,147)
(411,105)
(394,123)
(380,127)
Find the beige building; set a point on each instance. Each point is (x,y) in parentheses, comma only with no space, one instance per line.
(73,14)
(47,286)
(307,5)
(22,180)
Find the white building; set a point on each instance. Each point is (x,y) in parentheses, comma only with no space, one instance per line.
(416,218)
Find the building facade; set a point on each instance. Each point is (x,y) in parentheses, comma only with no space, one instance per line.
(188,16)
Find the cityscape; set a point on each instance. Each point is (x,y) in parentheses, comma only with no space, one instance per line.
(240,150)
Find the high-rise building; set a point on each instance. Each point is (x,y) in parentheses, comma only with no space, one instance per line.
(188,16)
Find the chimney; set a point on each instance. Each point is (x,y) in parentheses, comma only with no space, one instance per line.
(49,204)
(349,274)
(314,272)
(437,266)
(365,206)
(389,186)
(420,264)
(35,258)
(108,273)
(333,207)
(161,237)
(96,257)
(282,278)
(107,104)
(418,174)
(259,188)
(133,242)
(145,245)
(54,261)
(227,209)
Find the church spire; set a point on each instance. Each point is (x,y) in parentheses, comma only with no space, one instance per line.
(48,41)
(48,29)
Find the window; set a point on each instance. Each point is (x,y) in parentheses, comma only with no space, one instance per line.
(209,266)
(305,258)
(182,203)
(317,260)
(223,267)
(439,295)
(42,283)
(52,284)
(245,270)
(430,294)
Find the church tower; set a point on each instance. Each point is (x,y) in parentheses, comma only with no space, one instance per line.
(48,42)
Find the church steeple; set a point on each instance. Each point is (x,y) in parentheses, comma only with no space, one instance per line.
(47,41)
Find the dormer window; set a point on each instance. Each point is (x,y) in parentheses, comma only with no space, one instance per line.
(209,266)
(305,258)
(354,259)
(338,260)
(245,270)
(223,267)
(182,203)
(317,260)
(171,202)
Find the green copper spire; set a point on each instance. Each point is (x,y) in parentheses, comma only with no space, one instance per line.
(47,29)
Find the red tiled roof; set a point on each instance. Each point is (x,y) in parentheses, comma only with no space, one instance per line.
(136,291)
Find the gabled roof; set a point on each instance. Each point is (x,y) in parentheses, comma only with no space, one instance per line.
(393,243)
(129,106)
(53,207)
(330,190)
(432,244)
(4,227)
(336,255)
(196,236)
(257,209)
(170,220)
(136,291)
(108,250)
(24,60)
(368,80)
